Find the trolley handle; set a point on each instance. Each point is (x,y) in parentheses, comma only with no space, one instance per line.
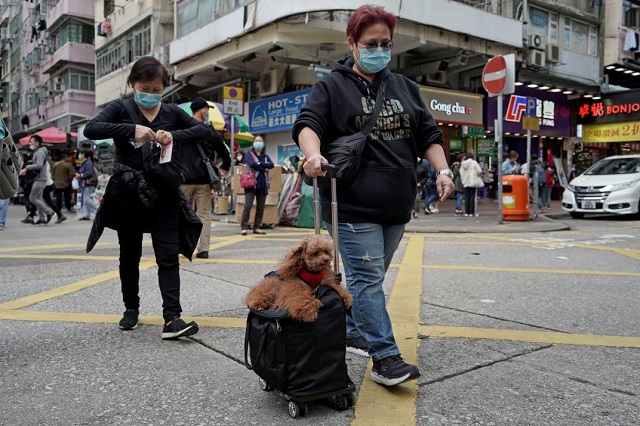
(329,168)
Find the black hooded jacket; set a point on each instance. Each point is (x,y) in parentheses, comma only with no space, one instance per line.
(385,187)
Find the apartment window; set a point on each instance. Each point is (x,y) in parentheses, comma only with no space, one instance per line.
(580,37)
(124,50)
(194,14)
(81,80)
(73,31)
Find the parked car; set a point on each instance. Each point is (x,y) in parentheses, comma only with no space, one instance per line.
(612,185)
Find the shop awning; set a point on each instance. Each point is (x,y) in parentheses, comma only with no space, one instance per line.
(50,135)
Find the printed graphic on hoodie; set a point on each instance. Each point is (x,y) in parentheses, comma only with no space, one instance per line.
(392,124)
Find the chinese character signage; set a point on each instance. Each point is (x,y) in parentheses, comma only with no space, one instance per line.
(552,110)
(620,107)
(612,132)
(276,113)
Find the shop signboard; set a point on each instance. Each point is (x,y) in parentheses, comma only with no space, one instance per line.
(276,113)
(553,111)
(612,132)
(619,107)
(451,106)
(486,147)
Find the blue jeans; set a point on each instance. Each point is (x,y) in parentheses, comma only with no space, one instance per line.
(366,250)
(430,195)
(459,197)
(4,205)
(89,205)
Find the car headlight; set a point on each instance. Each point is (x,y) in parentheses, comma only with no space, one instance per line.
(571,188)
(620,186)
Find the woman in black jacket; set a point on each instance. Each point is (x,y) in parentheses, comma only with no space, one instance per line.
(133,204)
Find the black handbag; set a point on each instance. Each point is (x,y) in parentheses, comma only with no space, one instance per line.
(214,176)
(345,152)
(171,174)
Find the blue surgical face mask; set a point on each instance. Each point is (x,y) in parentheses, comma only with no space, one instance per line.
(258,145)
(372,62)
(148,100)
(206,118)
(2,132)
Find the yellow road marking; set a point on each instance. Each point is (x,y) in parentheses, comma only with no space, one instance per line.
(91,318)
(434,332)
(65,289)
(532,270)
(404,309)
(549,337)
(57,257)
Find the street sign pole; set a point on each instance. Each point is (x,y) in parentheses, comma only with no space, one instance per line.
(498,79)
(498,126)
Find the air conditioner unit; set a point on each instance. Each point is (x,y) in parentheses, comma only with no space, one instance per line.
(553,53)
(438,77)
(536,41)
(270,82)
(59,87)
(59,80)
(536,58)
(632,17)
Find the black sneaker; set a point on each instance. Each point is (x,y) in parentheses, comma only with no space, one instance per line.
(129,320)
(202,255)
(358,345)
(179,328)
(393,370)
(49,217)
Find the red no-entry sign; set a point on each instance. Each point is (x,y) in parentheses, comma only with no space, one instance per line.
(494,76)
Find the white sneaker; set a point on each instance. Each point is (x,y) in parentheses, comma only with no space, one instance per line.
(434,210)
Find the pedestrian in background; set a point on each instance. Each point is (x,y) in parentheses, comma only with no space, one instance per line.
(375,208)
(133,206)
(63,173)
(542,184)
(421,178)
(40,155)
(510,166)
(471,175)
(457,181)
(198,185)
(88,183)
(260,163)
(430,191)
(46,195)
(4,206)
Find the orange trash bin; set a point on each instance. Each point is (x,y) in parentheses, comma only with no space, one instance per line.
(515,197)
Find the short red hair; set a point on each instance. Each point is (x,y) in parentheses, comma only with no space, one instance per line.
(368,15)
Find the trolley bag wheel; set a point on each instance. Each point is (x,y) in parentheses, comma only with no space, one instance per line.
(338,402)
(350,399)
(264,385)
(297,410)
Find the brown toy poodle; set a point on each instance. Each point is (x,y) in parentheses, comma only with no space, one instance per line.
(293,286)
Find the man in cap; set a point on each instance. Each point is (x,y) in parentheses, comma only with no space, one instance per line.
(198,186)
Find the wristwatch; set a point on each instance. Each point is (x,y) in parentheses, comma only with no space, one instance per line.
(447,172)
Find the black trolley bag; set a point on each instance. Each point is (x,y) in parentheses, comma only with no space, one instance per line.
(304,361)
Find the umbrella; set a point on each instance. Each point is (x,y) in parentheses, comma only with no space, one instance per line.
(244,139)
(216,117)
(49,135)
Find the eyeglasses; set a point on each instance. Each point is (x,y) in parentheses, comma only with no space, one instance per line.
(373,45)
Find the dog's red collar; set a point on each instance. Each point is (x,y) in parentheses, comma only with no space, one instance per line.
(313,279)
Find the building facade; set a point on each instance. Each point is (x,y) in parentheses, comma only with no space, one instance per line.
(49,57)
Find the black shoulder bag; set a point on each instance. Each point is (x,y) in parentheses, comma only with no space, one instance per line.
(214,176)
(345,152)
(171,174)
